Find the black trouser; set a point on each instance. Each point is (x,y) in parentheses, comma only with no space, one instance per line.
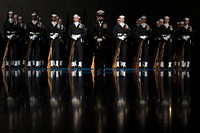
(78,51)
(168,52)
(123,49)
(99,55)
(56,49)
(35,50)
(145,50)
(187,51)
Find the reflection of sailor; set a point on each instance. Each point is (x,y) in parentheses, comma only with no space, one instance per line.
(77,90)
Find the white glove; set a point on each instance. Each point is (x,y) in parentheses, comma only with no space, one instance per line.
(78,36)
(165,38)
(143,37)
(186,37)
(35,36)
(121,37)
(74,37)
(99,39)
(9,37)
(54,36)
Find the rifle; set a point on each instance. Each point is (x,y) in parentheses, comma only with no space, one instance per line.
(138,54)
(182,52)
(161,53)
(49,56)
(5,54)
(27,54)
(157,55)
(71,54)
(116,56)
(93,58)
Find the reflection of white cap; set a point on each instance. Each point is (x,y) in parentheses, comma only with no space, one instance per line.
(54,15)
(186,18)
(76,16)
(121,16)
(143,17)
(166,17)
(34,14)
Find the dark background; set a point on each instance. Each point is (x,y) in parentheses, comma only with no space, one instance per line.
(132,9)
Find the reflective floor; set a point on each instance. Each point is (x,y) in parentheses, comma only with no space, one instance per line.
(113,101)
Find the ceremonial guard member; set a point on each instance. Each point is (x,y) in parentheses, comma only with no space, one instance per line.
(54,31)
(100,33)
(21,39)
(185,34)
(63,44)
(166,34)
(10,29)
(121,32)
(77,32)
(143,33)
(34,32)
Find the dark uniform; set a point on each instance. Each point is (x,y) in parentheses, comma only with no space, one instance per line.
(21,39)
(54,31)
(185,35)
(34,31)
(77,32)
(100,33)
(143,33)
(121,32)
(63,44)
(167,34)
(10,29)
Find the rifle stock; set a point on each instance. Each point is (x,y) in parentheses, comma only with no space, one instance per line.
(5,55)
(117,52)
(157,56)
(27,54)
(71,54)
(138,55)
(49,56)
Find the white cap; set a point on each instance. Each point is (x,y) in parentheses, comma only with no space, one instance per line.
(100,12)
(181,22)
(20,17)
(76,16)
(54,15)
(34,14)
(143,17)
(10,12)
(186,18)
(121,16)
(161,20)
(166,17)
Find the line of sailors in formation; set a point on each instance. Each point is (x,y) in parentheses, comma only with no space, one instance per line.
(172,45)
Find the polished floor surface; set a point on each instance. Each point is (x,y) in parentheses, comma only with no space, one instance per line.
(111,101)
